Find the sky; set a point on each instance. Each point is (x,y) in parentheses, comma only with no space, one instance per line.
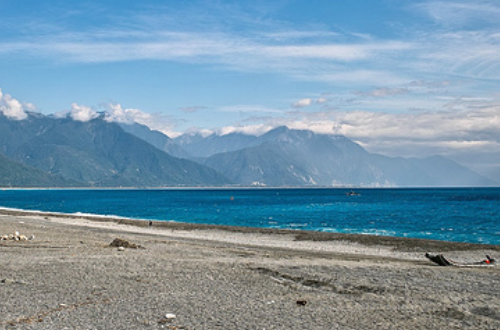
(400,77)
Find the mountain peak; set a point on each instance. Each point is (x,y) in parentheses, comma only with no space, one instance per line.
(280,130)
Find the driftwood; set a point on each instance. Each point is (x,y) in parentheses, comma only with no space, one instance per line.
(441,260)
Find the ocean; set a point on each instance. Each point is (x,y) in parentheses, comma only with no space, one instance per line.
(455,214)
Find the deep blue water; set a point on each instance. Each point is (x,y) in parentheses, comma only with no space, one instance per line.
(465,215)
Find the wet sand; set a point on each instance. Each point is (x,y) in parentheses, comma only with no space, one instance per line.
(212,277)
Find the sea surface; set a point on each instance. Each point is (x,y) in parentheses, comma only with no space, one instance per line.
(463,215)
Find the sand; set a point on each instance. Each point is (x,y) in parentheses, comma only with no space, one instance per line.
(207,277)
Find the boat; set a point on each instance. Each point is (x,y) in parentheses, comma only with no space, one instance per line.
(352,193)
(441,260)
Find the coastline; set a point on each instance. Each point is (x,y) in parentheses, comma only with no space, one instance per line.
(218,277)
(235,233)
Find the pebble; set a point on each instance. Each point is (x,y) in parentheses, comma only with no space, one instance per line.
(7,281)
(16,237)
(11,281)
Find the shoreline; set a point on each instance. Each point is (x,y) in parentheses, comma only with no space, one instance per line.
(237,234)
(196,277)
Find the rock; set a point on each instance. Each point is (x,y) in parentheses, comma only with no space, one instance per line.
(11,281)
(169,317)
(121,248)
(118,242)
(16,237)
(8,281)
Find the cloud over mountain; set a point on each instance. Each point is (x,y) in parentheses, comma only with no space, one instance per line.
(11,108)
(82,113)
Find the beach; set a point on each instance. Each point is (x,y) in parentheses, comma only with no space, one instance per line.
(182,276)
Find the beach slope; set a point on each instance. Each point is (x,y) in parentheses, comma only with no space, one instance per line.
(180,276)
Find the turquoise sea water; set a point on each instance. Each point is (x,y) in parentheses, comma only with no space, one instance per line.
(465,215)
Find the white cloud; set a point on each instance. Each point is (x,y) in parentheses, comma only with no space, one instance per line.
(303,103)
(162,123)
(473,126)
(82,113)
(249,108)
(11,108)
(248,129)
(116,113)
(383,92)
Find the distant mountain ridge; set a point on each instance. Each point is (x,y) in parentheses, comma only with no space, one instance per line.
(48,151)
(286,157)
(97,153)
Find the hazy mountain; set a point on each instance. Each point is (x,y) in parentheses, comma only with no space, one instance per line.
(157,139)
(266,164)
(97,153)
(199,146)
(48,151)
(15,174)
(443,171)
(302,158)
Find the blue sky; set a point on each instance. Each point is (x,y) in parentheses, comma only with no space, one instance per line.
(402,78)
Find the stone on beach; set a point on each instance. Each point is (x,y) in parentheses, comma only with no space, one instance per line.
(119,242)
(16,237)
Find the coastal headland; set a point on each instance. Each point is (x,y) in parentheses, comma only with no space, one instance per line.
(187,276)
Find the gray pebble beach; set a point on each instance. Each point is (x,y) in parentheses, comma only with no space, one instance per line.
(204,277)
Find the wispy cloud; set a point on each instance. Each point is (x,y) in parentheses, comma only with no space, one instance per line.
(460,13)
(249,108)
(231,50)
(382,92)
(472,54)
(264,45)
(193,109)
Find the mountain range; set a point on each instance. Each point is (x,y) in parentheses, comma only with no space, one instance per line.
(96,153)
(286,157)
(42,151)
